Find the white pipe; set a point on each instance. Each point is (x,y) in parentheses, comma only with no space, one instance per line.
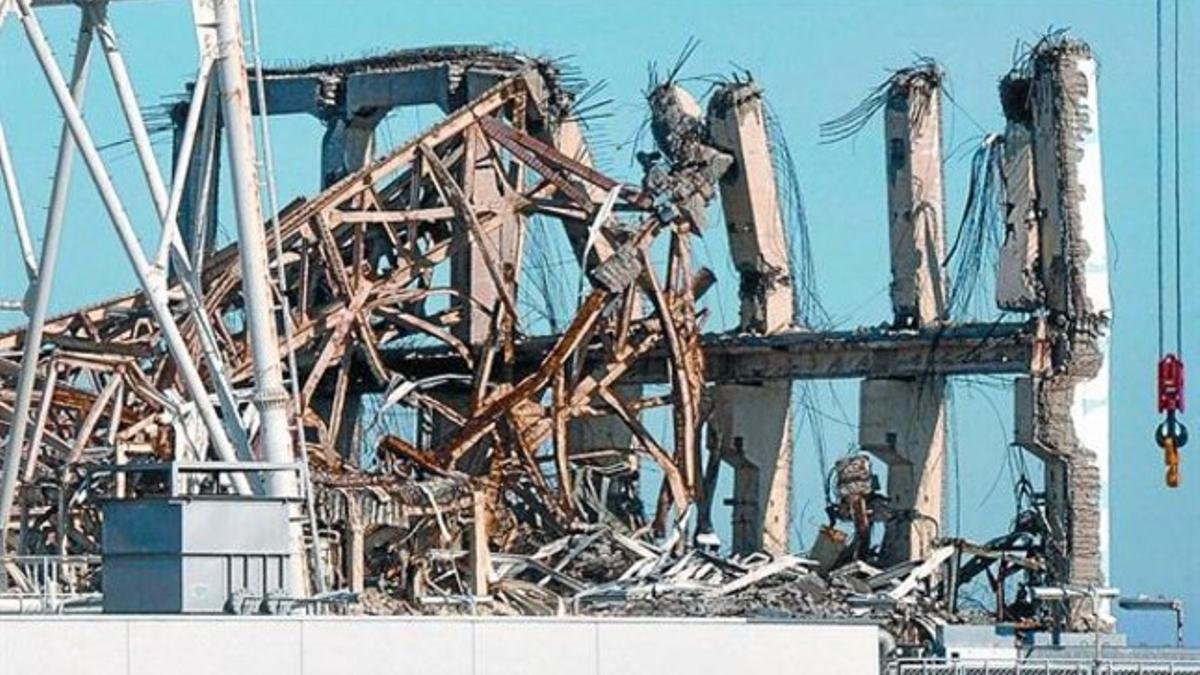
(84,603)
(179,178)
(153,281)
(264,117)
(190,278)
(205,186)
(167,206)
(39,425)
(270,397)
(8,171)
(40,288)
(129,105)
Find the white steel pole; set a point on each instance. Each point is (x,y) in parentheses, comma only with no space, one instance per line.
(9,172)
(129,105)
(269,394)
(205,185)
(264,117)
(153,281)
(167,205)
(127,96)
(180,174)
(41,286)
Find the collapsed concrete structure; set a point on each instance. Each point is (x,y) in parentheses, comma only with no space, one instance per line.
(398,289)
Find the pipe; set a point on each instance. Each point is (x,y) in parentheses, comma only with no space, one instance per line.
(8,171)
(41,286)
(152,281)
(186,146)
(318,573)
(270,397)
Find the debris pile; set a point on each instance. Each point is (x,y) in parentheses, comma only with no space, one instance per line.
(604,572)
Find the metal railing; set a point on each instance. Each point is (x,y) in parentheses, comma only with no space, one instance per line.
(1041,667)
(41,584)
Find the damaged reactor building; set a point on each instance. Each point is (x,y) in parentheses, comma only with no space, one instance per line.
(350,411)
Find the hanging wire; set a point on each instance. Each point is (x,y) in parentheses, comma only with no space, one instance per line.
(807,306)
(849,124)
(1158,163)
(976,246)
(1178,234)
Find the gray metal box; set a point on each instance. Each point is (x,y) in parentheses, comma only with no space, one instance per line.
(193,556)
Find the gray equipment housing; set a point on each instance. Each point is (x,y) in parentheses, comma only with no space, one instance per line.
(194,555)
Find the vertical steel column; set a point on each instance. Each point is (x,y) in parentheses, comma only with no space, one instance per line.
(270,397)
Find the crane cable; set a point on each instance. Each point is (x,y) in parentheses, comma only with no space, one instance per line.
(1171,434)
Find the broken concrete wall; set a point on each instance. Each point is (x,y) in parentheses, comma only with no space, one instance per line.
(1018,275)
(1070,184)
(1072,404)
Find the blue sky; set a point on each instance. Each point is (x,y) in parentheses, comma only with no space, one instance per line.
(815,60)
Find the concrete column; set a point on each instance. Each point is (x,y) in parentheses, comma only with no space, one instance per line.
(916,202)
(1075,275)
(354,553)
(348,144)
(903,423)
(468,272)
(480,555)
(903,420)
(751,424)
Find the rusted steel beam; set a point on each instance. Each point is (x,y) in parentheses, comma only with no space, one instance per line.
(465,211)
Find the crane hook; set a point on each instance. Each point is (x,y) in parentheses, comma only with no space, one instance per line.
(1171,435)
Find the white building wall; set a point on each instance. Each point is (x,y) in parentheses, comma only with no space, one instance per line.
(152,645)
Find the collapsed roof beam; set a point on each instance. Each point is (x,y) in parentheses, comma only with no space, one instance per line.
(962,349)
